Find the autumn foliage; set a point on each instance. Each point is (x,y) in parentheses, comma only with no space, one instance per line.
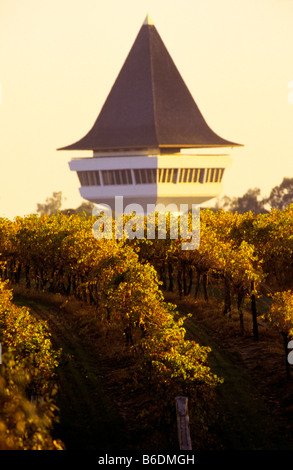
(28,370)
(60,254)
(123,280)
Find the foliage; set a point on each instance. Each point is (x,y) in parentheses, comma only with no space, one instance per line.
(123,279)
(281,312)
(52,205)
(280,197)
(59,253)
(173,366)
(24,425)
(28,369)
(250,201)
(29,339)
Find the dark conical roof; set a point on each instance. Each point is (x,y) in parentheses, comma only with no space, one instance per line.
(149,105)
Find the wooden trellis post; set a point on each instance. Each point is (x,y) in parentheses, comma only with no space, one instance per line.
(183,423)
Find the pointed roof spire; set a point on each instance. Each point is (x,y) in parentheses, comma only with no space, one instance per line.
(148,20)
(149,105)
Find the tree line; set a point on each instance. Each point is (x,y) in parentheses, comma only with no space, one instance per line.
(280,197)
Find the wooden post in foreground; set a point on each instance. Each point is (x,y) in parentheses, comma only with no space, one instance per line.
(183,423)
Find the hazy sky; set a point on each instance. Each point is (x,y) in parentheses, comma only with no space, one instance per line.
(59,59)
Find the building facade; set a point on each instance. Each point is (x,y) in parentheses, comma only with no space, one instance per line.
(150,142)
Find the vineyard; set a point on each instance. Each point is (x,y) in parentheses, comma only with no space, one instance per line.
(243,265)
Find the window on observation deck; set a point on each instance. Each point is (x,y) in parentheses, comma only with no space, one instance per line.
(145,175)
(221,173)
(89,178)
(155,175)
(151,176)
(214,175)
(167,175)
(191,175)
(116,177)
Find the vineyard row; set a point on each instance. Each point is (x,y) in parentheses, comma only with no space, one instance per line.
(122,279)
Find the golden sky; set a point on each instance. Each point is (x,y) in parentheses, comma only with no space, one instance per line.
(59,59)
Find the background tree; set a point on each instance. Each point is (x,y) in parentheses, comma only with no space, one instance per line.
(250,201)
(52,205)
(86,208)
(281,196)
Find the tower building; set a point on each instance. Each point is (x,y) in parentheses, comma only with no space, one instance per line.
(150,142)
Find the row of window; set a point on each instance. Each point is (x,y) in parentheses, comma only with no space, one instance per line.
(150,175)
